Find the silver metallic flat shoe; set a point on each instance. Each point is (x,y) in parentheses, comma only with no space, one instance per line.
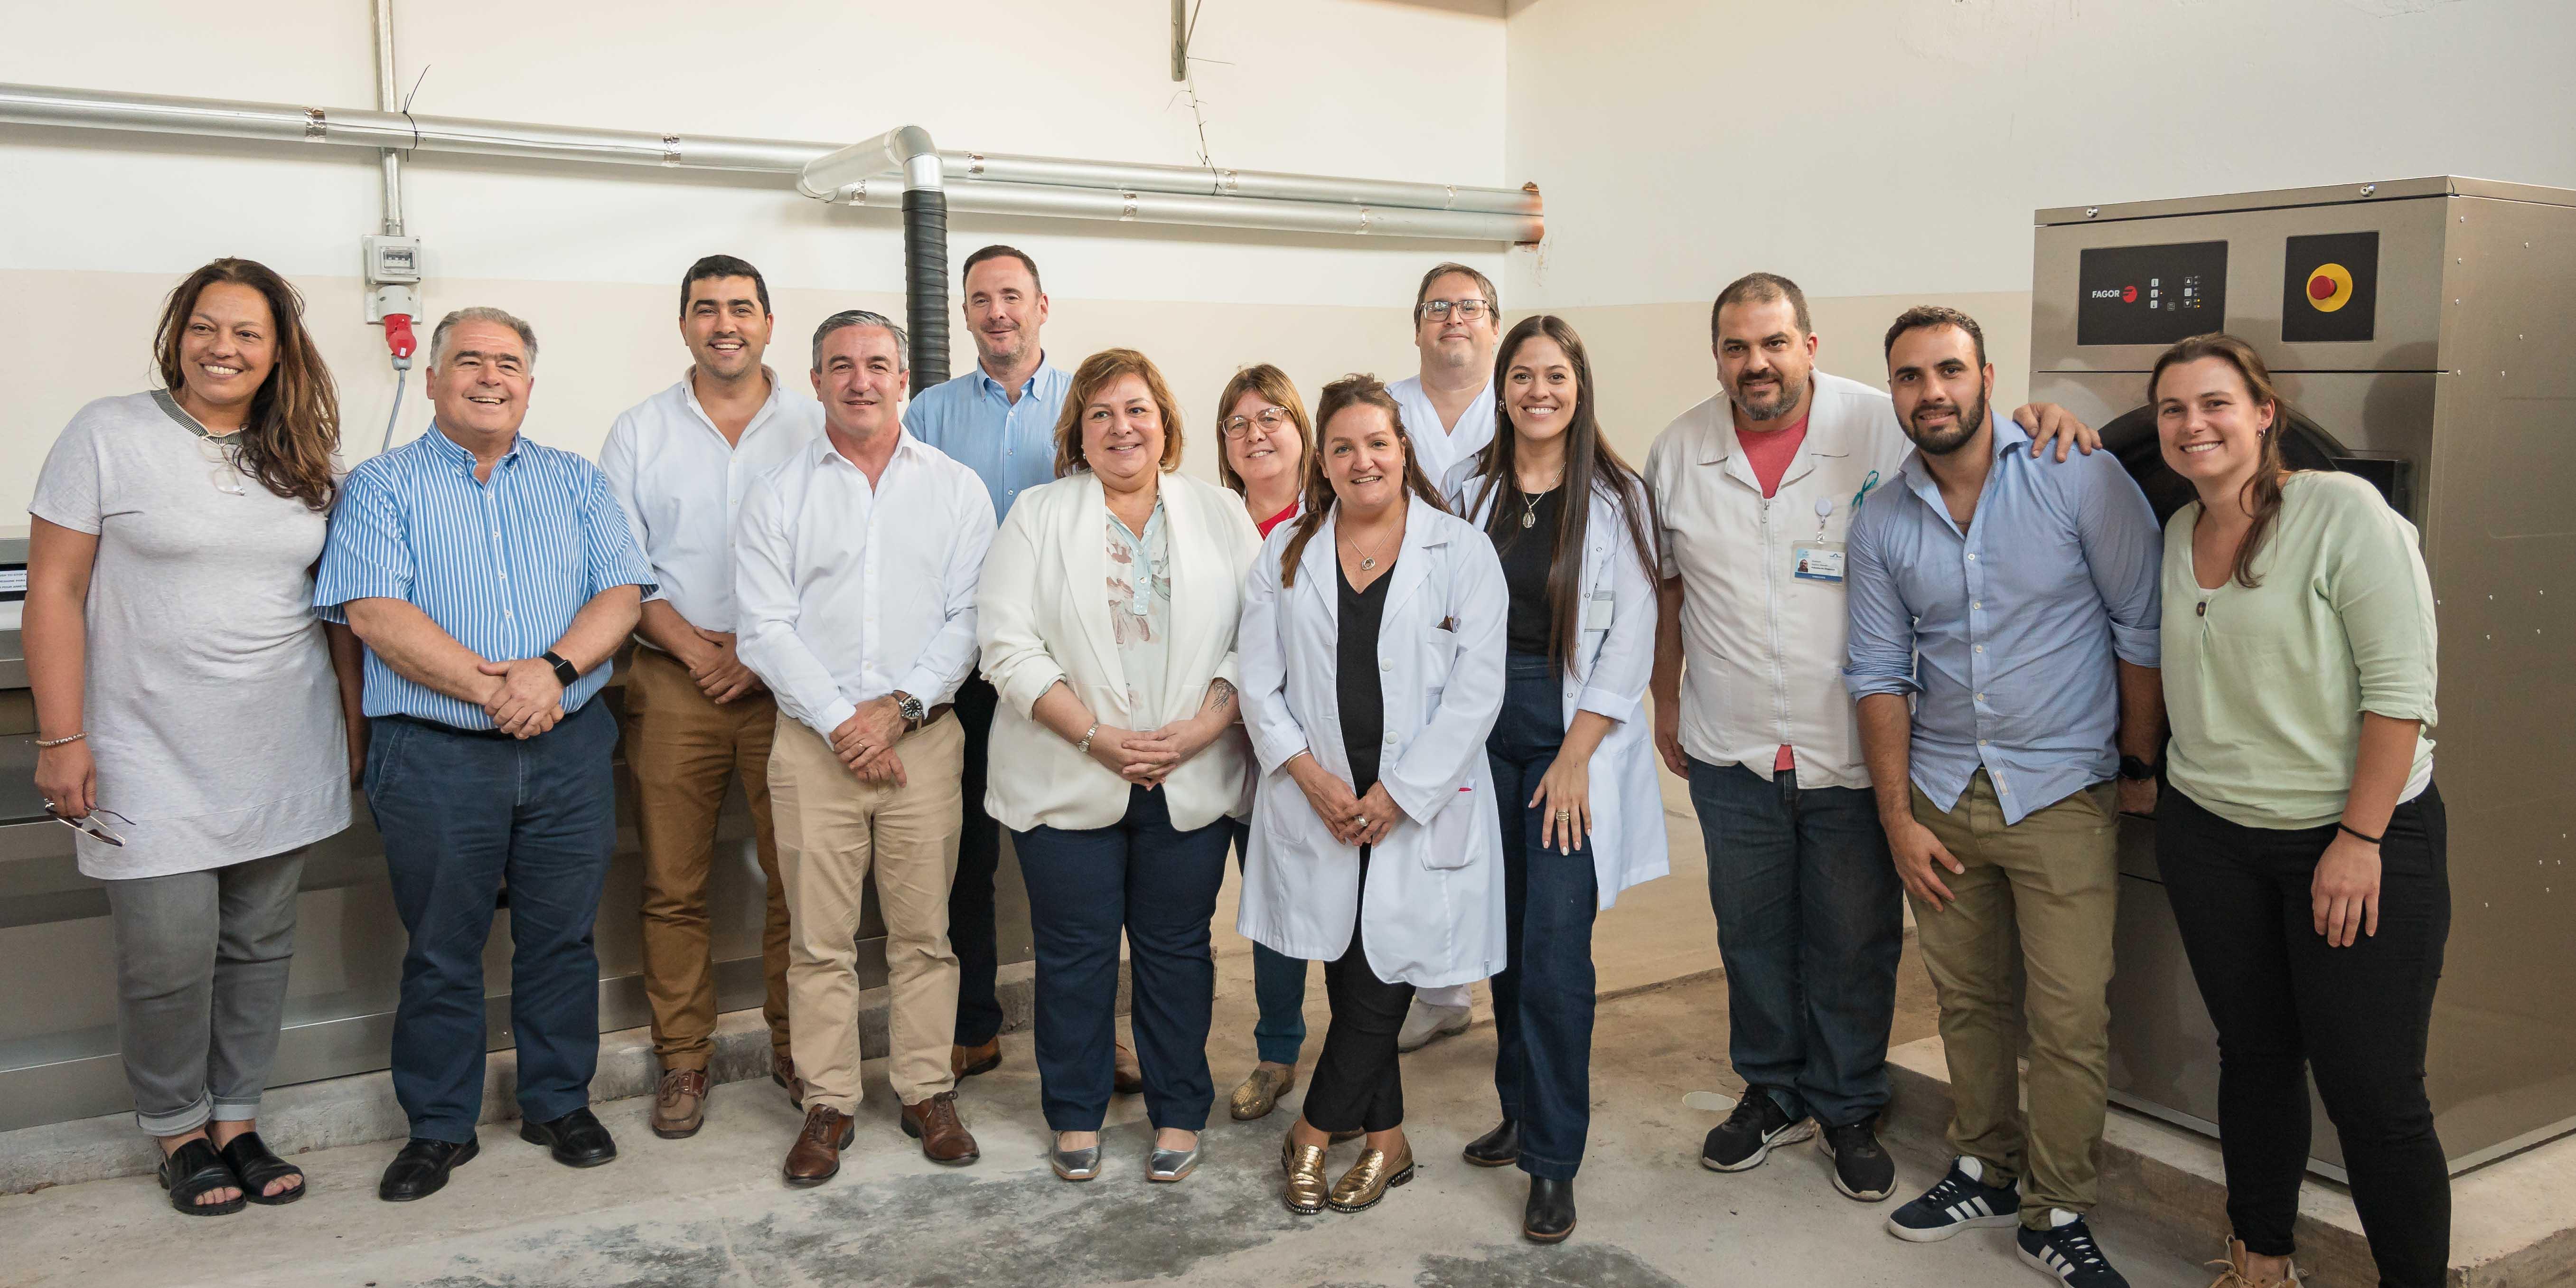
(1075,1164)
(1168,1165)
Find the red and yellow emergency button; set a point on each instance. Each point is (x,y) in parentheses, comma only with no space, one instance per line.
(2329,288)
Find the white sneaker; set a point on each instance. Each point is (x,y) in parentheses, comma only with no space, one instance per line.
(1426,1023)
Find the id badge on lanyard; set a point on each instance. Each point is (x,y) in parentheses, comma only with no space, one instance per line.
(1820,560)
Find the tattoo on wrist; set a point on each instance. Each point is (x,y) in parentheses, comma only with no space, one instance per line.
(1220,695)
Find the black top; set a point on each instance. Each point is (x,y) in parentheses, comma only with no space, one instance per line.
(1363,700)
(1527,554)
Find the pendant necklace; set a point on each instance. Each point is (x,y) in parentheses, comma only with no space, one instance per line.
(1529,504)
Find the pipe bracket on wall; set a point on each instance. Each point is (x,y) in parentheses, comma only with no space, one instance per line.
(316,126)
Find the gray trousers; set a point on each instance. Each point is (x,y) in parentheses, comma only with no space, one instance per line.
(201,961)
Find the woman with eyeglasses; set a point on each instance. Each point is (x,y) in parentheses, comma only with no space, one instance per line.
(194,723)
(1264,425)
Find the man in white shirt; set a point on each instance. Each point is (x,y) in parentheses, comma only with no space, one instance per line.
(858,561)
(1449,415)
(696,718)
(1754,489)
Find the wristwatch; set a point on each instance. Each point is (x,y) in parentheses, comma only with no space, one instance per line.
(911,709)
(2136,770)
(565,672)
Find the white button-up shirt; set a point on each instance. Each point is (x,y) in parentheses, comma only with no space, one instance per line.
(1762,649)
(850,592)
(1438,452)
(682,485)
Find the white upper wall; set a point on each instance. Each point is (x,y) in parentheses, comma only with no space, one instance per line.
(1323,86)
(1898,147)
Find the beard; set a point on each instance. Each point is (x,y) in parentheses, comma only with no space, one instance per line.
(1944,442)
(1791,396)
(1015,347)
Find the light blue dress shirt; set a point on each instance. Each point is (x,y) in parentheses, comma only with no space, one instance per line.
(2007,631)
(500,566)
(1010,445)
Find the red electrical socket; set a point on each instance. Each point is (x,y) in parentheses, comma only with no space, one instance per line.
(398,337)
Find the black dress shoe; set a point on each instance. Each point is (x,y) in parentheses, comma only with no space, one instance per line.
(1550,1214)
(576,1138)
(1500,1147)
(421,1169)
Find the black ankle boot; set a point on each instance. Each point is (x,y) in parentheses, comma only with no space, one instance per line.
(1500,1147)
(1550,1215)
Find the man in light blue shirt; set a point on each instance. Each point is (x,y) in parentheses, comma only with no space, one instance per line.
(998,420)
(2015,600)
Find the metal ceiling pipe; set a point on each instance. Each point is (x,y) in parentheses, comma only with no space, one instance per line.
(385,99)
(1002,167)
(1213,212)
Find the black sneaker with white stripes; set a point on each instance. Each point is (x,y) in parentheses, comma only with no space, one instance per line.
(1962,1201)
(1748,1134)
(2066,1250)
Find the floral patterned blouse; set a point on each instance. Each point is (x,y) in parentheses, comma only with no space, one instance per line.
(1140,612)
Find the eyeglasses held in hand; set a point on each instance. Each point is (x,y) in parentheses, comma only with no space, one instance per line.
(226,463)
(89,826)
(1271,419)
(1439,310)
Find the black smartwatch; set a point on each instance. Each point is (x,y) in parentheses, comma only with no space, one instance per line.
(2136,770)
(565,672)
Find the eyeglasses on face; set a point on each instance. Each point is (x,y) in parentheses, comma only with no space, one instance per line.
(88,824)
(1439,310)
(1271,420)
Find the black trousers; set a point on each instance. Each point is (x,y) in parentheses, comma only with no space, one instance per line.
(2286,1003)
(1357,1085)
(979,855)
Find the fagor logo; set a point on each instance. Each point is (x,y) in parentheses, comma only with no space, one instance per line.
(2124,294)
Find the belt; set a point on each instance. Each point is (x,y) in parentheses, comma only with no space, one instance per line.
(441,726)
(931,717)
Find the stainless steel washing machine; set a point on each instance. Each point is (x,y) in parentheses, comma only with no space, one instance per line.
(2422,330)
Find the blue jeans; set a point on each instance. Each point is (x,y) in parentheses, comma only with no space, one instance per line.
(1278,986)
(465,818)
(1810,922)
(1159,885)
(1543,999)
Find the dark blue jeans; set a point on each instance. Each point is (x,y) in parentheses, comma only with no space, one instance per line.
(1278,987)
(1159,885)
(1543,999)
(1810,922)
(462,818)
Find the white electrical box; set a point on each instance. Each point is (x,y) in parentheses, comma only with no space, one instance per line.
(392,261)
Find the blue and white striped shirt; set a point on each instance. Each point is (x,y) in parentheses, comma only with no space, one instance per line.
(501,567)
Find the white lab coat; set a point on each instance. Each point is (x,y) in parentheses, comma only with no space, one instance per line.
(1613,660)
(1434,905)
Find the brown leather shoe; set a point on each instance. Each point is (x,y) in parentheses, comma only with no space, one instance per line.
(966,1061)
(1126,1077)
(680,1103)
(943,1138)
(816,1155)
(782,1071)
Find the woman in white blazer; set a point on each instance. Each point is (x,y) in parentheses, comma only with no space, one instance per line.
(1372,670)
(1582,814)
(1106,619)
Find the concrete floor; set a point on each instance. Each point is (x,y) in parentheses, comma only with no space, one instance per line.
(710,1210)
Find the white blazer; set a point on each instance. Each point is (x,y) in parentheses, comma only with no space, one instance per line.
(1042,615)
(1434,905)
(1613,660)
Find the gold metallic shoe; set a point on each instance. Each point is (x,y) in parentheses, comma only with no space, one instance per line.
(1304,1165)
(1370,1178)
(1261,1091)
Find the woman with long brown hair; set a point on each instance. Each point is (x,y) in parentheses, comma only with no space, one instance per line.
(194,722)
(1264,431)
(1372,649)
(1572,526)
(2303,842)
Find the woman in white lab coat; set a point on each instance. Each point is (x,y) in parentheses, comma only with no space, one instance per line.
(1574,771)
(1372,655)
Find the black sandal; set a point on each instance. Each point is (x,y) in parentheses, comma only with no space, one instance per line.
(258,1168)
(194,1169)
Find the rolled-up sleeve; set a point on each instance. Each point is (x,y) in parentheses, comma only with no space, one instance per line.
(611,556)
(2376,582)
(1016,659)
(1881,657)
(2125,551)
(366,555)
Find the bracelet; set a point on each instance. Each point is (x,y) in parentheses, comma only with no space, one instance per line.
(62,742)
(1084,744)
(2340,827)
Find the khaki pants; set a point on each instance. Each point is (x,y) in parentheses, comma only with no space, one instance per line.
(2044,892)
(833,830)
(683,749)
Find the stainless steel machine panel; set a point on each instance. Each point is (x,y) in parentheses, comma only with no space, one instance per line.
(2456,386)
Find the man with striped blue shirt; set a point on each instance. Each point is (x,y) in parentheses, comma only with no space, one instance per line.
(491,580)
